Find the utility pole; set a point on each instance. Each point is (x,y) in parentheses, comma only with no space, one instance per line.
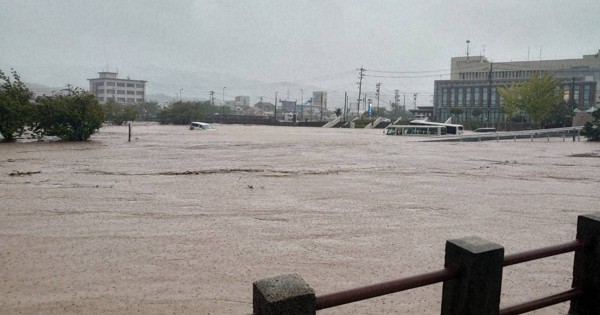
(415,100)
(489,103)
(396,102)
(180,90)
(301,103)
(360,76)
(223,107)
(572,96)
(212,98)
(378,86)
(275,115)
(345,104)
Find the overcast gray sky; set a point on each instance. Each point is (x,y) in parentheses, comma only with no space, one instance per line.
(308,42)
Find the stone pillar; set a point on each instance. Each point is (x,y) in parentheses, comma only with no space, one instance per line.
(280,295)
(586,268)
(477,287)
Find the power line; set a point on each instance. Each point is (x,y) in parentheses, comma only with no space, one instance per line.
(404,72)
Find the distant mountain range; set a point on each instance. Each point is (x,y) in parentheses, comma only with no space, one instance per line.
(166,85)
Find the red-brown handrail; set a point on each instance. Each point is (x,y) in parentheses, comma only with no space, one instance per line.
(521,257)
(375,290)
(541,303)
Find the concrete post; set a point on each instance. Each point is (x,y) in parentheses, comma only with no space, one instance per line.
(476,290)
(586,268)
(280,295)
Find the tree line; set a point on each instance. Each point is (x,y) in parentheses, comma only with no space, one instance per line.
(74,114)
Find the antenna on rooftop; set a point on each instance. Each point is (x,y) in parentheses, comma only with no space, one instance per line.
(468,42)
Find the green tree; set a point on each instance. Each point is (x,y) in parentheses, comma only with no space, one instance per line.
(16,111)
(591,130)
(512,100)
(118,113)
(560,115)
(72,117)
(338,112)
(147,110)
(539,95)
(182,113)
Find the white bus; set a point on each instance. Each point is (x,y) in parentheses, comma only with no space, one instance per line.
(415,130)
(450,128)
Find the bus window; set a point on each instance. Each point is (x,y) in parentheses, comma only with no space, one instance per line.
(391,131)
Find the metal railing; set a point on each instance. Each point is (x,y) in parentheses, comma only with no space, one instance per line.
(472,279)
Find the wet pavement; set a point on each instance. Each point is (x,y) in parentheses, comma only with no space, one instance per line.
(182,221)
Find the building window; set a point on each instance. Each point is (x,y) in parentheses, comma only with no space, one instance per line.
(99,83)
(586,96)
(452,97)
(112,91)
(444,97)
(139,92)
(131,100)
(130,85)
(131,92)
(484,96)
(476,97)
(121,84)
(99,91)
(121,99)
(468,96)
(110,83)
(139,85)
(460,96)
(120,92)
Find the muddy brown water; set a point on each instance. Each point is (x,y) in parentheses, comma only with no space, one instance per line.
(181,221)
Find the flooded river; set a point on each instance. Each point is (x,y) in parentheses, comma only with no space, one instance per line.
(182,221)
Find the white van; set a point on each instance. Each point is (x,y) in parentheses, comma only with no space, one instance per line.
(201,126)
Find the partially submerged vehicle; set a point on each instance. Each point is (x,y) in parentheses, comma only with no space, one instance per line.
(415,130)
(201,125)
(451,128)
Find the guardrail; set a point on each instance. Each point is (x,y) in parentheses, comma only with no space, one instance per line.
(563,133)
(472,280)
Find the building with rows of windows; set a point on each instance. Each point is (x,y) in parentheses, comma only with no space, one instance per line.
(125,91)
(471,93)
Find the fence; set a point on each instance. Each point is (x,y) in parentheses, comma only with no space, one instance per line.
(472,280)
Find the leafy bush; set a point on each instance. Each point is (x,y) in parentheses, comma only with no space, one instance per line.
(73,117)
(591,130)
(15,108)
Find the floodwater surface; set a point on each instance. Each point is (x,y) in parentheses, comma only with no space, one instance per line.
(183,221)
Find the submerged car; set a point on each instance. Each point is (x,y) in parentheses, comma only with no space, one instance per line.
(201,125)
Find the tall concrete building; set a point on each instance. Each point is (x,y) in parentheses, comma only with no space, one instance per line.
(125,91)
(474,80)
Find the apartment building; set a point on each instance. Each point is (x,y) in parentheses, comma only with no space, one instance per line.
(125,91)
(472,91)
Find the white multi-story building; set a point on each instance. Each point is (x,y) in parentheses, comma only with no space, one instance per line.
(108,87)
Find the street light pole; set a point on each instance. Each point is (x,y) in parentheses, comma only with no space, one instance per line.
(180,94)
